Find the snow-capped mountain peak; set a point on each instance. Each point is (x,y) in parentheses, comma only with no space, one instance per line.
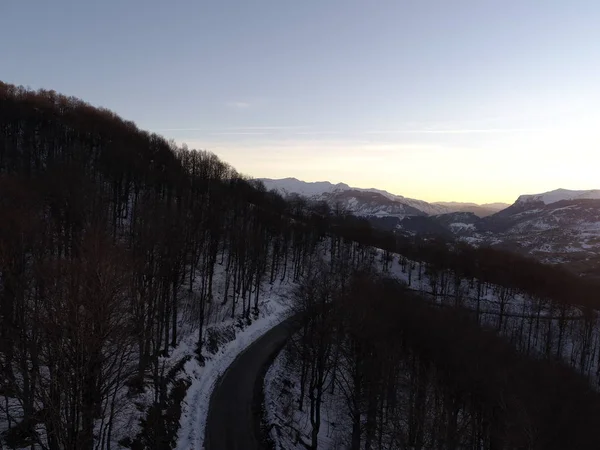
(289,186)
(558,195)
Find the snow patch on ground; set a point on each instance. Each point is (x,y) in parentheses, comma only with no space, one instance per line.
(287,423)
(460,226)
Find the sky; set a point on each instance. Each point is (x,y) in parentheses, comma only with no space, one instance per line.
(440,100)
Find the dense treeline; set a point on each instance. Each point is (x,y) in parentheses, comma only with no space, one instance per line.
(489,265)
(412,375)
(542,310)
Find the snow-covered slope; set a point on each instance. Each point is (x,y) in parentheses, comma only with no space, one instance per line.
(287,186)
(564,232)
(370,204)
(559,194)
(560,227)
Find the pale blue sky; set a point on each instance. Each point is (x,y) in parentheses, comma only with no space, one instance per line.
(434,99)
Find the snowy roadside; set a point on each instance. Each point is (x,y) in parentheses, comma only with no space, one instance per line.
(204,378)
(274,308)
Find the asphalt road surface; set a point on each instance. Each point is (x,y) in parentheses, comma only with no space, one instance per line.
(234,412)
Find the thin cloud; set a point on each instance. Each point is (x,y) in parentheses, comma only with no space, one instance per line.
(235,129)
(238,105)
(317,133)
(458,131)
(181,129)
(275,128)
(239,133)
(298,130)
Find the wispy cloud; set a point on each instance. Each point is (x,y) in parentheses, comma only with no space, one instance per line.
(303,131)
(181,129)
(237,129)
(239,133)
(238,105)
(458,131)
(317,133)
(313,148)
(273,128)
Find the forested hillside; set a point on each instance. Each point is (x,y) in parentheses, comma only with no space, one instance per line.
(113,242)
(107,232)
(374,366)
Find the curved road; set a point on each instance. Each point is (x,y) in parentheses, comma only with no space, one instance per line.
(234,412)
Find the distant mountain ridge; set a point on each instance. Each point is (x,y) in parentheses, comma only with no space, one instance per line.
(288,186)
(560,226)
(558,195)
(556,227)
(372,201)
(483,210)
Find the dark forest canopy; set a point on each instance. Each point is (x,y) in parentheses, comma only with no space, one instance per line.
(411,375)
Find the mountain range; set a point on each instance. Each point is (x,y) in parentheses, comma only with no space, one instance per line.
(559,227)
(374,202)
